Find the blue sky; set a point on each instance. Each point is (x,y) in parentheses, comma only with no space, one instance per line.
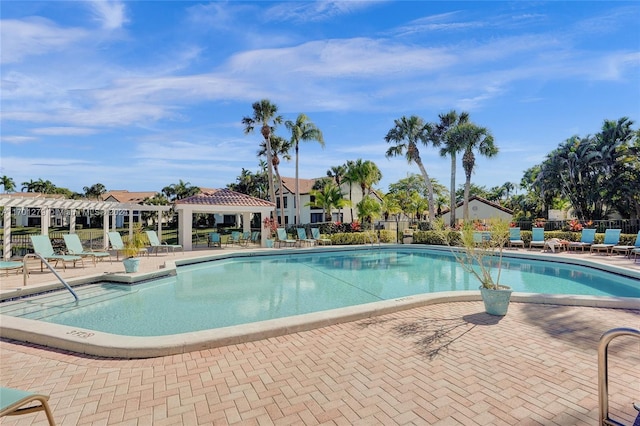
(136,95)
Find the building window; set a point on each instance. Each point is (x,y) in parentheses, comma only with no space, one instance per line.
(317,217)
(278,202)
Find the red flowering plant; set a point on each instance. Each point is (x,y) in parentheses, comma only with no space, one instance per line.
(270,225)
(539,223)
(575,225)
(355,226)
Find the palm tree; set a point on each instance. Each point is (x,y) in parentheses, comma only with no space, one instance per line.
(302,130)
(366,174)
(264,114)
(328,198)
(441,135)
(474,138)
(8,184)
(94,191)
(279,147)
(368,210)
(180,190)
(338,173)
(406,134)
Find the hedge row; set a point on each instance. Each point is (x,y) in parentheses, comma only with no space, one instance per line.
(433,237)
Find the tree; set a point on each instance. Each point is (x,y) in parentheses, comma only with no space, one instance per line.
(253,184)
(337,173)
(279,148)
(264,114)
(328,198)
(472,138)
(368,210)
(180,190)
(365,174)
(302,130)
(441,135)
(8,184)
(407,134)
(94,191)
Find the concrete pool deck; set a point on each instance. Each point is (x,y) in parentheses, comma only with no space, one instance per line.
(440,364)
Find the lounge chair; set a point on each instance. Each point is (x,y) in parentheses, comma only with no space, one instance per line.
(514,238)
(303,239)
(245,238)
(255,237)
(635,253)
(15,402)
(281,233)
(315,234)
(118,245)
(235,238)
(611,238)
(626,250)
(74,247)
(586,240)
(7,266)
(537,238)
(155,244)
(214,240)
(42,246)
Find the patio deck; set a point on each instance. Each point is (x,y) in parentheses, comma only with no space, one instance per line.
(440,364)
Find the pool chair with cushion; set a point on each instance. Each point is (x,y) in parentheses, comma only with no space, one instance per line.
(537,238)
(214,240)
(611,238)
(15,402)
(7,266)
(315,234)
(303,239)
(235,238)
(586,240)
(283,238)
(74,247)
(626,250)
(155,244)
(514,238)
(42,246)
(115,240)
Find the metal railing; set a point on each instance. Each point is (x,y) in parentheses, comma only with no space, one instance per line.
(603,372)
(25,272)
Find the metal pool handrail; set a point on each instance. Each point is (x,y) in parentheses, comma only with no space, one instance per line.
(25,272)
(603,373)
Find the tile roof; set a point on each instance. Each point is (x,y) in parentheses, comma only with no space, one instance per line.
(225,197)
(305,185)
(124,196)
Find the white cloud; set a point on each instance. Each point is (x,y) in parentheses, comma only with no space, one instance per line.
(63,131)
(110,14)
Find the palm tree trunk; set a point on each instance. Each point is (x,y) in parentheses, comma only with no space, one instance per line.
(425,175)
(467,187)
(267,138)
(281,195)
(297,196)
(452,198)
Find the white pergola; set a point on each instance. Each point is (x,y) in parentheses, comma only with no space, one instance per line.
(70,208)
(222,201)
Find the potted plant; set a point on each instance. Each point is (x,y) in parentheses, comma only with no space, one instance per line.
(481,256)
(132,248)
(270,226)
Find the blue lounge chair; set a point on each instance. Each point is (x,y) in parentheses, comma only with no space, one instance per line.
(626,250)
(611,238)
(118,245)
(315,234)
(281,233)
(234,238)
(42,246)
(303,239)
(514,238)
(586,240)
(74,247)
(15,402)
(214,240)
(155,244)
(537,238)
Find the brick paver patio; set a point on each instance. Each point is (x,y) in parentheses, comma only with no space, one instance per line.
(443,365)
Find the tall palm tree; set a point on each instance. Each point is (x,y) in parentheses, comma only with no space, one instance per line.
(365,174)
(406,134)
(302,130)
(350,178)
(441,135)
(279,148)
(8,183)
(338,173)
(264,115)
(475,138)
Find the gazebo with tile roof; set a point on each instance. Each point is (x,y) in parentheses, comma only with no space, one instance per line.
(222,201)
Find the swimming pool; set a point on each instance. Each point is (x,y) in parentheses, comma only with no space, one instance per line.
(234,291)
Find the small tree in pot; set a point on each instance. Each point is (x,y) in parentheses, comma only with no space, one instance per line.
(132,247)
(481,256)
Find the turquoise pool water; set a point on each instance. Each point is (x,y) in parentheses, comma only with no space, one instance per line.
(249,289)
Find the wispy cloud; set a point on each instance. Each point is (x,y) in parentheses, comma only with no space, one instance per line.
(315,11)
(111,15)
